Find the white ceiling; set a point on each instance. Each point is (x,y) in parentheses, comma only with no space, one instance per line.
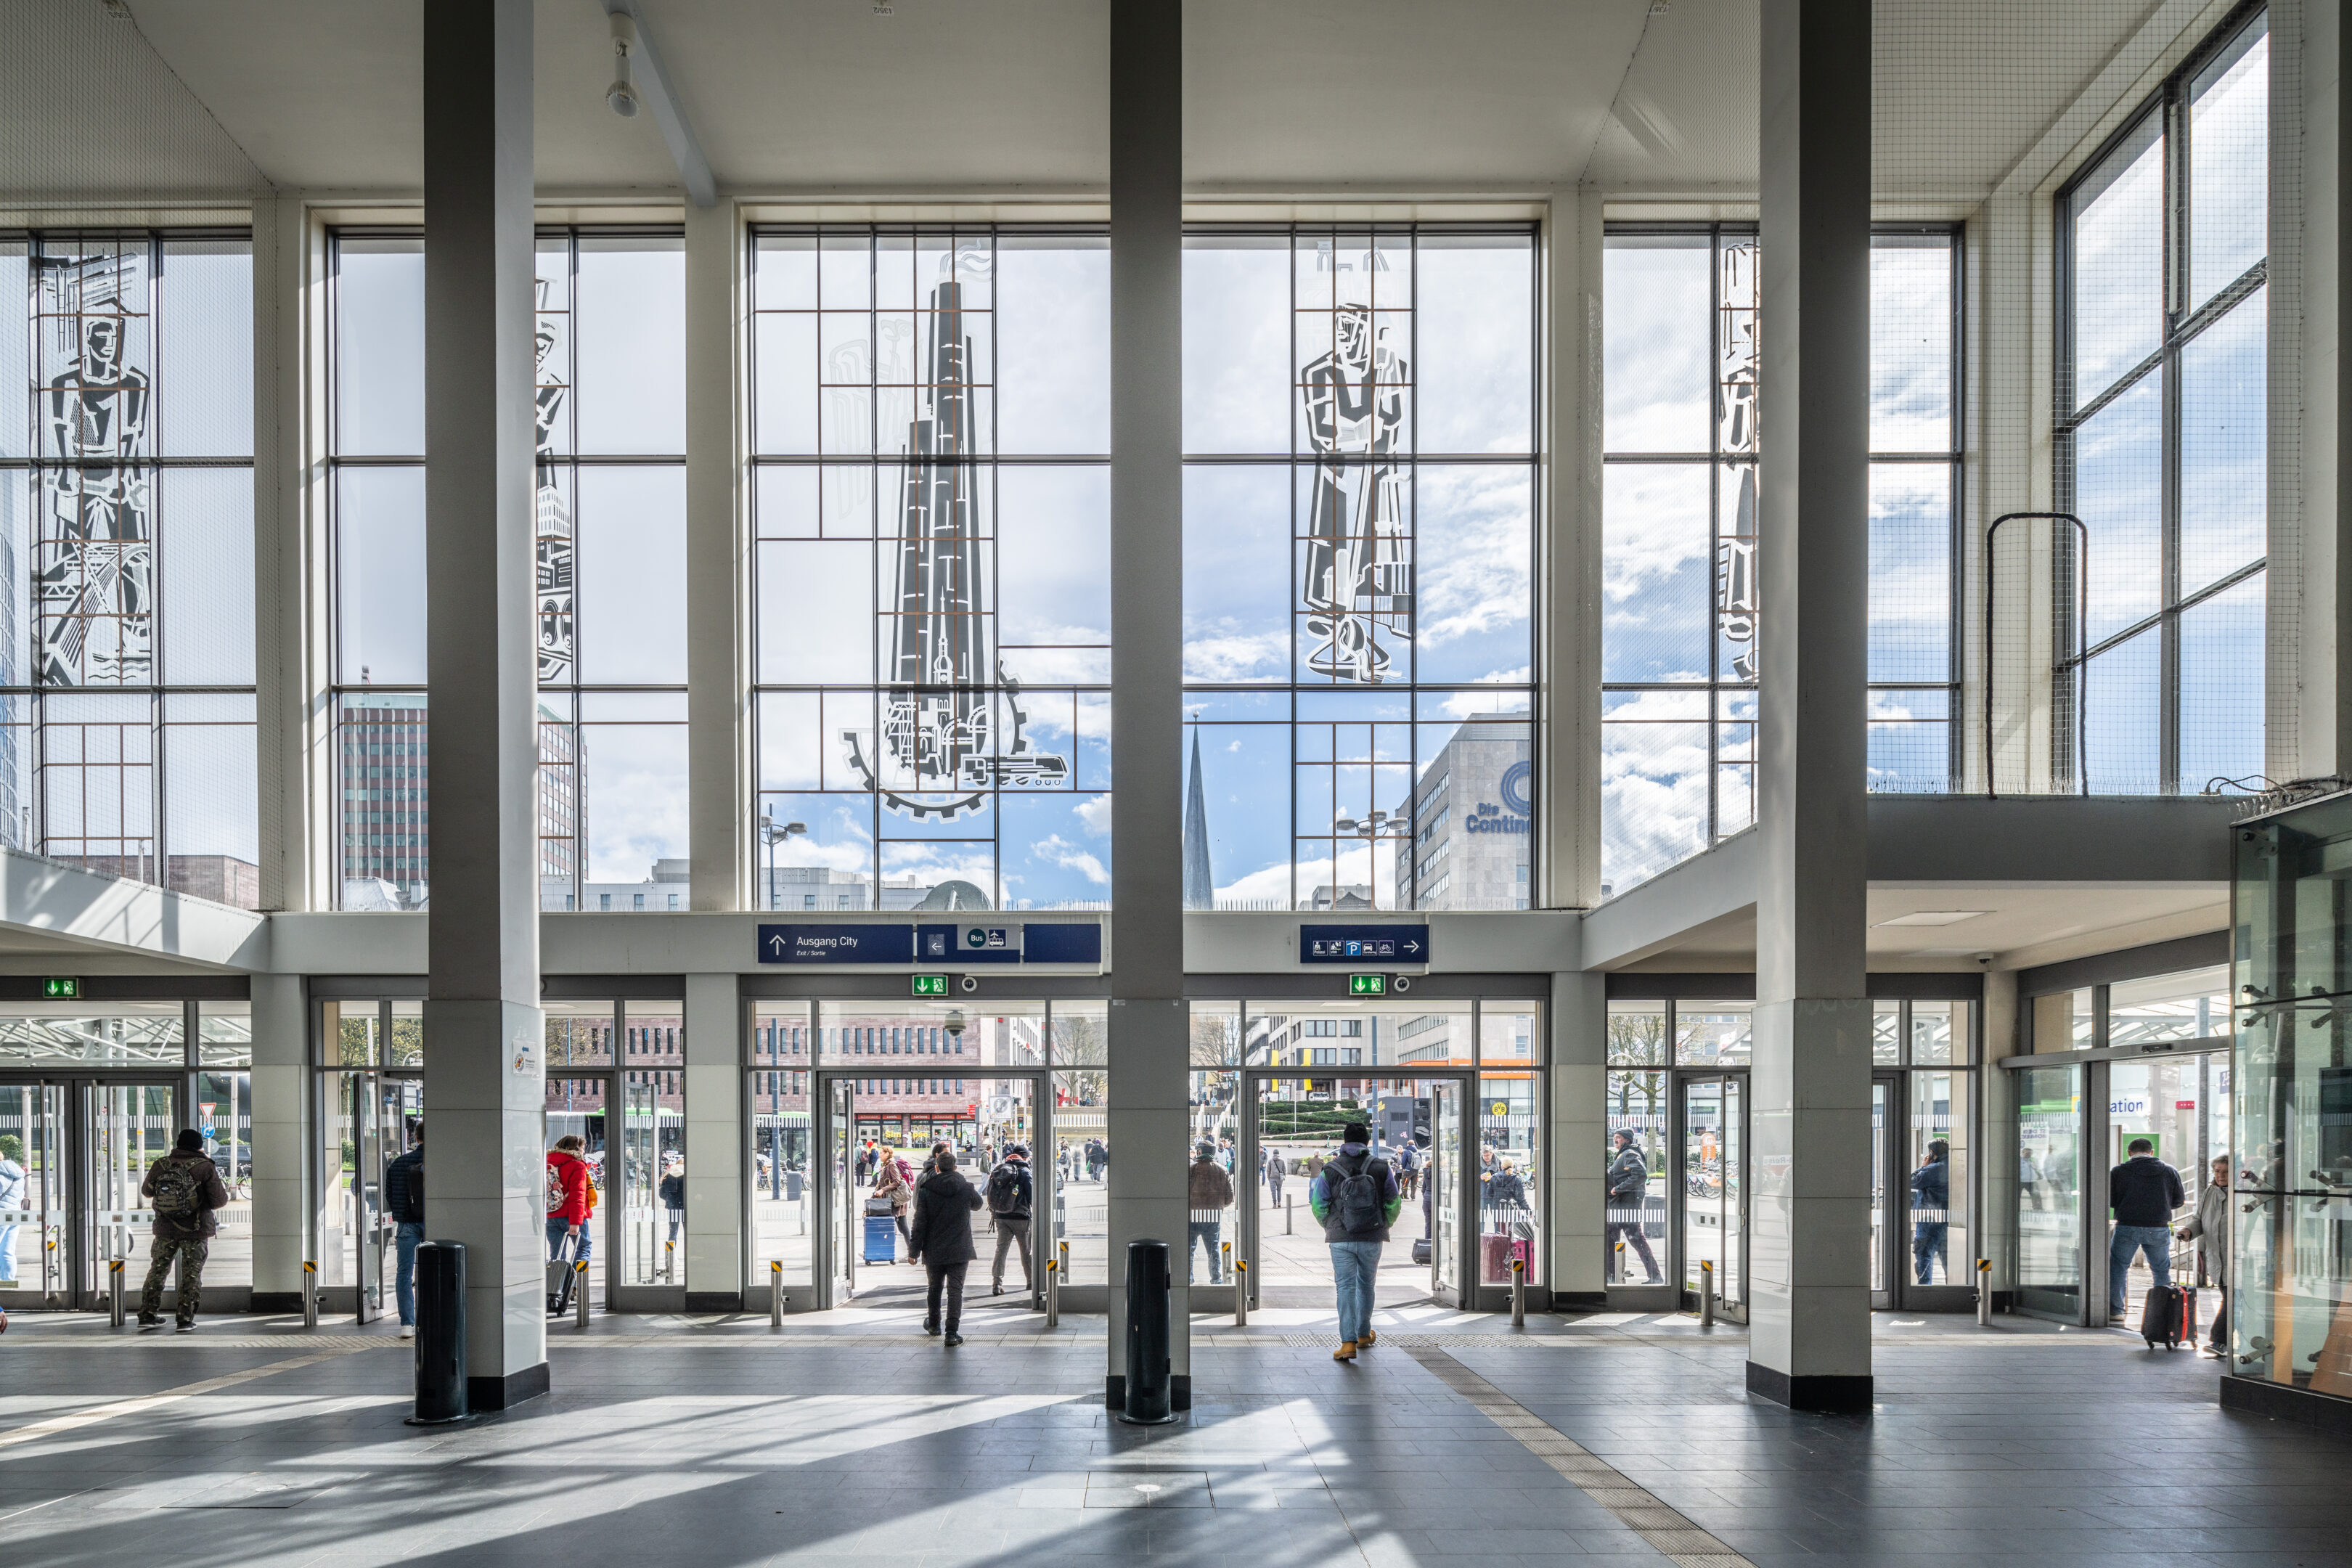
(200,96)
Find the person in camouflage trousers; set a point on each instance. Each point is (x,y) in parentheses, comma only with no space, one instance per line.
(184,1187)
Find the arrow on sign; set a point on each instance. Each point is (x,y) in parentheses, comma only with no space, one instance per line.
(777,942)
(1413,947)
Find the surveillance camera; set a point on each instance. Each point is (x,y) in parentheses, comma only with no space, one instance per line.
(955,1020)
(1403,983)
(1984,957)
(970,983)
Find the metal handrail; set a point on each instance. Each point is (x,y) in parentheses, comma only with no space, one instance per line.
(2082,645)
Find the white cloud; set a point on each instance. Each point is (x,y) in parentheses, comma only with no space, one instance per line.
(1471,704)
(1354,867)
(1236,656)
(1095,812)
(1471,571)
(1056,850)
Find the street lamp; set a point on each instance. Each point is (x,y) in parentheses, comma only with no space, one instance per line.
(772,833)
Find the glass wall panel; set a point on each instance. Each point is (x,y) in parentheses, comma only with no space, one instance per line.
(223,1118)
(1679,588)
(34,1035)
(1081,1154)
(782,1184)
(1941,1174)
(1712,1034)
(2050,1188)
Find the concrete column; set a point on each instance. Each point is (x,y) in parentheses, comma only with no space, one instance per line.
(1809,1331)
(279,605)
(484,1074)
(1147,1038)
(714,1144)
(1571,662)
(1579,1107)
(281,1229)
(718,699)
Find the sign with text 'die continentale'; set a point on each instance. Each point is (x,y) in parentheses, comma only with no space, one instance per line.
(837,943)
(1359,944)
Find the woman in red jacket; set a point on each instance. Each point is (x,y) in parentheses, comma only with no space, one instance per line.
(570,1198)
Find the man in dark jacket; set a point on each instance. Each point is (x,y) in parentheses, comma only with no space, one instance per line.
(404,1202)
(184,1188)
(2142,1192)
(1628,1195)
(1931,1203)
(1209,1192)
(1355,1198)
(1012,1191)
(941,1237)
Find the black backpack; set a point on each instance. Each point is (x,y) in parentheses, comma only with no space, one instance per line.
(1007,1190)
(1356,1195)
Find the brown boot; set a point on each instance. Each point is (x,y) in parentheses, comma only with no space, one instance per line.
(1370,1339)
(1346,1350)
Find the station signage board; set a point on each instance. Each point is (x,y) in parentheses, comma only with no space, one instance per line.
(1357,944)
(837,943)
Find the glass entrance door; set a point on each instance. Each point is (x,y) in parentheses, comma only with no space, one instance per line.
(1289,1131)
(2050,1210)
(125,1128)
(32,1249)
(1714,1195)
(838,1192)
(1882,1229)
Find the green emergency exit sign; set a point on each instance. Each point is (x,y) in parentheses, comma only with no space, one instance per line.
(1367,986)
(930,985)
(61,988)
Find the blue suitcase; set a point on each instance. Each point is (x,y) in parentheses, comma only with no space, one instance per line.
(881,1239)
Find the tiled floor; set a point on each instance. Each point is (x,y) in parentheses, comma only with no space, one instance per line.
(855,1441)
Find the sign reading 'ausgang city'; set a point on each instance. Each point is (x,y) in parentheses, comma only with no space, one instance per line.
(1356,944)
(837,943)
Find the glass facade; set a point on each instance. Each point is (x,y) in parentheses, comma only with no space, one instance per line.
(126,550)
(1679,594)
(609,503)
(1359,447)
(932,584)
(2161,439)
(2290,1289)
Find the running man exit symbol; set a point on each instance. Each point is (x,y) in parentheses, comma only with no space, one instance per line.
(1367,986)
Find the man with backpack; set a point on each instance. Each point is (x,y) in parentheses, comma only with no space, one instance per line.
(184,1188)
(1010,1202)
(404,1204)
(1355,1197)
(1209,1192)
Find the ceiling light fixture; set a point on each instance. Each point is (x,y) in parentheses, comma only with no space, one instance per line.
(623,94)
(1931,918)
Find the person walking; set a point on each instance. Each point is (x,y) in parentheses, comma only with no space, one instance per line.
(13,1186)
(1931,1198)
(1274,1174)
(2210,1225)
(1408,1167)
(672,1193)
(1208,1192)
(892,1184)
(571,1199)
(1011,1200)
(404,1202)
(2142,1192)
(944,1204)
(185,1189)
(1629,1195)
(1354,1196)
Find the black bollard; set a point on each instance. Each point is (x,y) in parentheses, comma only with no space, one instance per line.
(1151,1384)
(440,1334)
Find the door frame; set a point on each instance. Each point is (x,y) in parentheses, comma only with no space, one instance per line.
(81,1285)
(1246,1159)
(1678,1196)
(822,1125)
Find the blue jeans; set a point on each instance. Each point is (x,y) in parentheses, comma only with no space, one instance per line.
(1928,1248)
(1205,1234)
(406,1235)
(557,1228)
(1353,1264)
(2156,1240)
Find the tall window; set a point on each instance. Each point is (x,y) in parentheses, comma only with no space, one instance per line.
(2161,428)
(1359,431)
(1681,433)
(611,603)
(931,431)
(126,544)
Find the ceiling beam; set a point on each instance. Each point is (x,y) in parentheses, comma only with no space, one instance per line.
(652,84)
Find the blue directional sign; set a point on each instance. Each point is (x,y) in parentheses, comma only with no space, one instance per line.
(1061,942)
(837,943)
(1363,944)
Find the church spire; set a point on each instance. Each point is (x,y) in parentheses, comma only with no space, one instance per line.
(1200,888)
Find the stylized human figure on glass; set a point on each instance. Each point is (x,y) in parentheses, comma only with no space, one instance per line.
(1359,580)
(95,577)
